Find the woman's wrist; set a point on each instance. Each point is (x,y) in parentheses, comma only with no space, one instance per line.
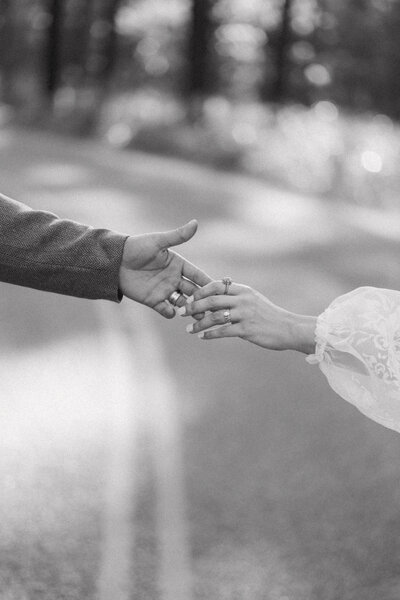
(302,333)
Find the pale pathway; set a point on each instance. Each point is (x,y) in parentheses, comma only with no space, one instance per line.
(145,396)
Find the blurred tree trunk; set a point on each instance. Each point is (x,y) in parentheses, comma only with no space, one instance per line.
(101,59)
(280,42)
(53,48)
(103,42)
(199,75)
(279,89)
(78,42)
(6,50)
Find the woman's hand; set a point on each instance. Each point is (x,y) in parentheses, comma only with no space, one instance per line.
(252,317)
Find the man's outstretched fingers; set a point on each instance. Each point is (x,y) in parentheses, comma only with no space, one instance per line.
(165,309)
(222,332)
(190,271)
(187,287)
(181,301)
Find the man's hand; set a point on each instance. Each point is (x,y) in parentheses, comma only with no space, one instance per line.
(150,272)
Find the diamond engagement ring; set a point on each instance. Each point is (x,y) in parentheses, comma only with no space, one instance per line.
(174,297)
(227,281)
(227,316)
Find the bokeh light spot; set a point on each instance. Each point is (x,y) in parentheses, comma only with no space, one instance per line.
(371,161)
(326,111)
(317,74)
(119,134)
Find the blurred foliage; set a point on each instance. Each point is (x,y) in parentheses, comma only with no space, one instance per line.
(264,85)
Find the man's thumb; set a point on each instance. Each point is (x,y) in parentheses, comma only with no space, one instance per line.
(178,236)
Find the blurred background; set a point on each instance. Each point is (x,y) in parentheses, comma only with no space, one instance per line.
(301,92)
(136,461)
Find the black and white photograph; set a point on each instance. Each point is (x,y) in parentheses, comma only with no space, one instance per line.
(199,299)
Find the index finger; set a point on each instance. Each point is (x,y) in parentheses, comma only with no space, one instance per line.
(193,273)
(216,288)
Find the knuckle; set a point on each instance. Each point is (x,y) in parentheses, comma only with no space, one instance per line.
(196,309)
(248,312)
(213,303)
(250,294)
(241,331)
(197,295)
(214,317)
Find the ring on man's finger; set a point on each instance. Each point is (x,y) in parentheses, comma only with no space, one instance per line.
(174,298)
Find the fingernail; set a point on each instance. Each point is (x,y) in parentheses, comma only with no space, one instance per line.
(201,335)
(189,299)
(181,311)
(189,328)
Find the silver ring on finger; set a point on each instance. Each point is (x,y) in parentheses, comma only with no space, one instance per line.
(174,298)
(227,281)
(227,317)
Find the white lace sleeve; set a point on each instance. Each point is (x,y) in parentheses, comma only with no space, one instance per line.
(358,350)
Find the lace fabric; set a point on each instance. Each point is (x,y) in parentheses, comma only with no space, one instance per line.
(358,350)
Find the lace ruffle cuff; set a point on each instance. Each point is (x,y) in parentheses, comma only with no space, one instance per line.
(321,340)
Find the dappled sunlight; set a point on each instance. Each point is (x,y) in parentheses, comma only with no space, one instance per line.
(99,206)
(383,224)
(84,408)
(6,139)
(318,150)
(136,460)
(269,220)
(296,219)
(230,238)
(58,174)
(245,571)
(52,395)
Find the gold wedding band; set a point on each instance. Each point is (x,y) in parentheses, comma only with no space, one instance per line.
(174,297)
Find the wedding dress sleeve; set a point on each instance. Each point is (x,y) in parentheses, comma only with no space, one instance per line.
(358,350)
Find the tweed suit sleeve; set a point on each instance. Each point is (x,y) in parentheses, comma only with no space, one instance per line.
(39,250)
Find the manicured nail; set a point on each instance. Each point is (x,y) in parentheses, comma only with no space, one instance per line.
(189,299)
(181,311)
(189,328)
(201,335)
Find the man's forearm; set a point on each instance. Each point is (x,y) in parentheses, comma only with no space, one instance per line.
(39,250)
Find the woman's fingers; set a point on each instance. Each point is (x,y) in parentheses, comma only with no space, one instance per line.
(188,289)
(221,332)
(218,317)
(216,288)
(212,304)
